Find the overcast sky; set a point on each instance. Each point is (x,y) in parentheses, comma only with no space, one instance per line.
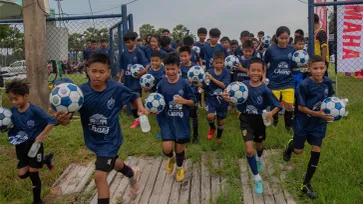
(230,16)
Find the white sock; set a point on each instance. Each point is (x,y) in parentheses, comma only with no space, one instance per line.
(258,177)
(258,158)
(179,167)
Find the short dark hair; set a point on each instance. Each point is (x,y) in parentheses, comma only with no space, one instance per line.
(139,40)
(299,39)
(185,48)
(225,38)
(245,33)
(202,31)
(130,36)
(188,41)
(17,87)
(254,39)
(156,53)
(218,55)
(316,18)
(93,41)
(172,58)
(234,42)
(248,44)
(155,36)
(251,35)
(291,40)
(261,33)
(215,32)
(256,60)
(301,32)
(316,58)
(166,30)
(165,41)
(99,58)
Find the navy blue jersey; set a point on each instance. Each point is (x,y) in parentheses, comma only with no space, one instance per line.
(259,98)
(184,69)
(195,57)
(311,94)
(200,45)
(169,50)
(239,75)
(148,51)
(173,45)
(87,53)
(174,119)
(208,52)
(105,51)
(239,51)
(158,75)
(127,60)
(280,70)
(99,117)
(213,89)
(28,125)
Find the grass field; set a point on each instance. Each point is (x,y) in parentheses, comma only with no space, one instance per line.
(339,178)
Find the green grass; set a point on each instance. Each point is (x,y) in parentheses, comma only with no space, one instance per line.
(339,178)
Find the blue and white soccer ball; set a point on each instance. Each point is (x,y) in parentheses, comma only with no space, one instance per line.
(66,97)
(300,58)
(266,40)
(335,107)
(147,81)
(155,103)
(238,92)
(135,69)
(196,49)
(5,119)
(231,61)
(196,74)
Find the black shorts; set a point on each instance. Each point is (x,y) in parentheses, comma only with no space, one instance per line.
(253,124)
(299,141)
(177,142)
(23,159)
(105,164)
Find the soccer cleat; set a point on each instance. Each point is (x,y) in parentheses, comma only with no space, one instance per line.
(195,140)
(134,182)
(259,166)
(210,134)
(308,190)
(136,124)
(48,160)
(286,154)
(170,165)
(158,136)
(179,174)
(259,187)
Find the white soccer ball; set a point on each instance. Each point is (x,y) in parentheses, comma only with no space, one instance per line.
(231,61)
(335,107)
(66,97)
(266,40)
(135,69)
(5,119)
(300,58)
(196,74)
(196,49)
(147,81)
(155,103)
(238,92)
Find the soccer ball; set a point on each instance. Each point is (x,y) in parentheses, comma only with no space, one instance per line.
(231,61)
(300,58)
(155,103)
(196,74)
(66,97)
(147,81)
(135,69)
(334,106)
(196,49)
(238,92)
(5,119)
(266,40)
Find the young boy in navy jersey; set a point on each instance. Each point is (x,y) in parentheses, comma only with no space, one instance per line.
(251,122)
(165,43)
(298,73)
(89,51)
(240,72)
(195,57)
(31,124)
(226,42)
(103,102)
(202,35)
(174,119)
(103,49)
(244,36)
(209,48)
(133,55)
(310,122)
(154,46)
(185,54)
(234,46)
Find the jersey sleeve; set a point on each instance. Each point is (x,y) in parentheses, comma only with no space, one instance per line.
(330,88)
(226,79)
(126,96)
(142,59)
(43,116)
(121,63)
(322,37)
(267,57)
(301,95)
(202,54)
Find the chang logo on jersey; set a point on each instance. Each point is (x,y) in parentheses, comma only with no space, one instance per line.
(217,92)
(259,100)
(111,103)
(19,138)
(30,123)
(282,68)
(128,70)
(250,109)
(98,124)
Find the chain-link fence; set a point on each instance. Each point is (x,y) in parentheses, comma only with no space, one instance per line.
(345,41)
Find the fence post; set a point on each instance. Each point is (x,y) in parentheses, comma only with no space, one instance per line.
(124,18)
(131,22)
(311,27)
(111,54)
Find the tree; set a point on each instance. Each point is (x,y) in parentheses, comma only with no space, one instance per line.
(160,31)
(179,32)
(95,34)
(75,42)
(146,29)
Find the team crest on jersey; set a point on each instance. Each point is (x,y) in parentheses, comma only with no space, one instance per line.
(30,123)
(259,100)
(326,92)
(135,60)
(289,55)
(111,103)
(181,92)
(98,124)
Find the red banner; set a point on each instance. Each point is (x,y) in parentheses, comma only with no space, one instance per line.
(321,11)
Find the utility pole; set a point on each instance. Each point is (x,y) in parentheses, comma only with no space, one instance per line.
(34,17)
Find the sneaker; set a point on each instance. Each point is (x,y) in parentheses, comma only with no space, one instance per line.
(170,165)
(48,160)
(259,166)
(158,136)
(195,140)
(210,134)
(286,154)
(134,182)
(136,124)
(308,190)
(179,174)
(259,187)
